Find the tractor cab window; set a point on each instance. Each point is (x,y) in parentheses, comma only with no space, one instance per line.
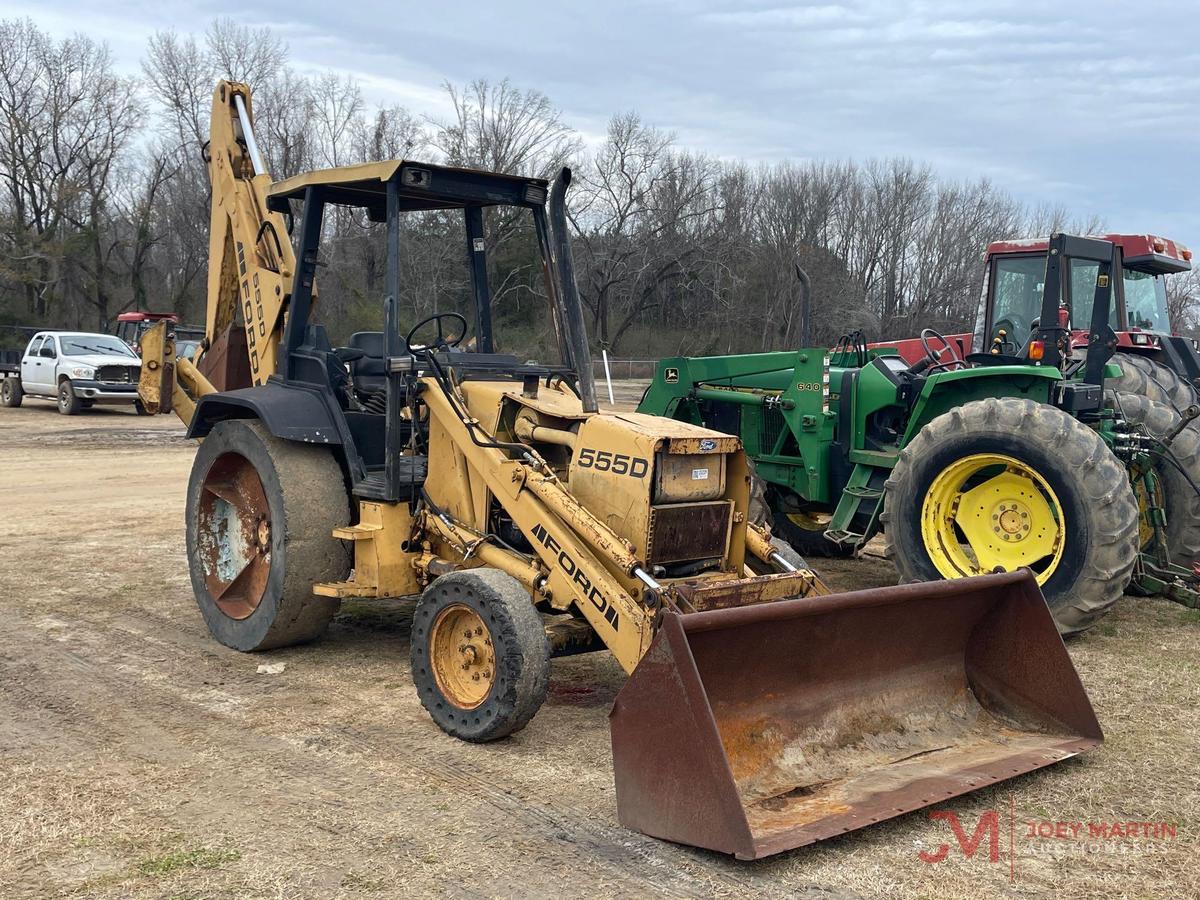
(1017,298)
(1082,294)
(1146,301)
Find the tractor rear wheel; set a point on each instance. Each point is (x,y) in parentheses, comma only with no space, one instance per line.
(1143,376)
(1002,484)
(479,653)
(260,518)
(1178,477)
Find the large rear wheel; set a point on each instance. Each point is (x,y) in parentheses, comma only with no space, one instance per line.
(260,517)
(1175,483)
(1143,376)
(1002,484)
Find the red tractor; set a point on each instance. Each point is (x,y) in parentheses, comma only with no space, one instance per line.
(132,325)
(1163,366)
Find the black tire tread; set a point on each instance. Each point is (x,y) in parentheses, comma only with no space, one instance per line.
(11,393)
(523,671)
(1152,380)
(315,502)
(1108,498)
(1182,501)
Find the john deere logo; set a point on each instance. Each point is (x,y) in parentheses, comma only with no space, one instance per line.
(671,376)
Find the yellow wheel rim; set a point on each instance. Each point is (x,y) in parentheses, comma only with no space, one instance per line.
(988,512)
(810,521)
(463,659)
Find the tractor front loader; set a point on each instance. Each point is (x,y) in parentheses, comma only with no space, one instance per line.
(992,463)
(761,712)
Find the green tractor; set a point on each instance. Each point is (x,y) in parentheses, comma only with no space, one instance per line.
(994,462)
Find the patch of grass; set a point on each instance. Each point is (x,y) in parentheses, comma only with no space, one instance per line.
(1107,629)
(200,858)
(355,882)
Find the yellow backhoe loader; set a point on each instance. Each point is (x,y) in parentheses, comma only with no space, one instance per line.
(761,712)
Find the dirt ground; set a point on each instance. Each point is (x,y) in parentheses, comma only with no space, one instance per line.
(142,759)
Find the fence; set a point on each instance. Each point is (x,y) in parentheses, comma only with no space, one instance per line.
(624,369)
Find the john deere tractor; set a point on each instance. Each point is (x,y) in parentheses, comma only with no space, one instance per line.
(993,462)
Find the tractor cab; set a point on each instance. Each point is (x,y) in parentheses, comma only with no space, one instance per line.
(374,379)
(1139,314)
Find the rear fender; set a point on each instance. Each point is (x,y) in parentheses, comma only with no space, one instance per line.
(944,391)
(292,412)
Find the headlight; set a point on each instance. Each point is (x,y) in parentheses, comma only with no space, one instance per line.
(83,372)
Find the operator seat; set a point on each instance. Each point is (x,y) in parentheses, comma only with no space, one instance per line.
(368,372)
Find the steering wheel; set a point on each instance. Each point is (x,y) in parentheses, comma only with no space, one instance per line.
(441,342)
(935,356)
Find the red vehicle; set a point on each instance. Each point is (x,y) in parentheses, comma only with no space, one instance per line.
(132,325)
(1012,296)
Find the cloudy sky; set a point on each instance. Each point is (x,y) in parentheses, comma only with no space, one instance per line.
(1091,105)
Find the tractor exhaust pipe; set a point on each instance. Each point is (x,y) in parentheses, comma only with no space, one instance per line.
(570,307)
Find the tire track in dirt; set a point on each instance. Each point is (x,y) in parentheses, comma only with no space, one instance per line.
(623,858)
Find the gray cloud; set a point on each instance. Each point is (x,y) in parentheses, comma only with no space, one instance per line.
(1092,105)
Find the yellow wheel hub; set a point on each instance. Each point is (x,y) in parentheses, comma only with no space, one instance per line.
(809,521)
(463,659)
(988,512)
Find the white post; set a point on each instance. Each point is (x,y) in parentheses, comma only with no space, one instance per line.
(608,377)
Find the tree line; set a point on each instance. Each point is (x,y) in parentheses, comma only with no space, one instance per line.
(105,197)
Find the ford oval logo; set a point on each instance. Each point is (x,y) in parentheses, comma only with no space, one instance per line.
(708,444)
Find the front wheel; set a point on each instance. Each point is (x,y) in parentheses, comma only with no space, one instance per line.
(480,658)
(68,403)
(1002,484)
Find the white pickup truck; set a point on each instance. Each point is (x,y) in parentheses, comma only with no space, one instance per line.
(75,369)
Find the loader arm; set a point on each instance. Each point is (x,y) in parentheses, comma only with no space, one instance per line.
(250,268)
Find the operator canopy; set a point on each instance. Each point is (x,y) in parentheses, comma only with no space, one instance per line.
(423,186)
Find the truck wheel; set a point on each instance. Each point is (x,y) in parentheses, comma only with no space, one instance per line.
(480,658)
(1143,376)
(68,403)
(1176,496)
(11,394)
(1002,484)
(260,517)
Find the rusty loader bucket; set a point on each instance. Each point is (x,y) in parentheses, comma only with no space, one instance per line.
(763,728)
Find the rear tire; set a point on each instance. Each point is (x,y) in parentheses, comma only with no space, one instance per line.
(11,393)
(1179,498)
(263,510)
(1096,517)
(479,653)
(1143,376)
(68,403)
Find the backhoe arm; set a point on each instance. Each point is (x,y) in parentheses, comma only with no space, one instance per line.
(250,267)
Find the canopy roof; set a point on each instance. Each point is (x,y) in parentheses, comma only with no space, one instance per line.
(422,186)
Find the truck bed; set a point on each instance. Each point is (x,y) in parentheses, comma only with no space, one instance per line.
(10,362)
